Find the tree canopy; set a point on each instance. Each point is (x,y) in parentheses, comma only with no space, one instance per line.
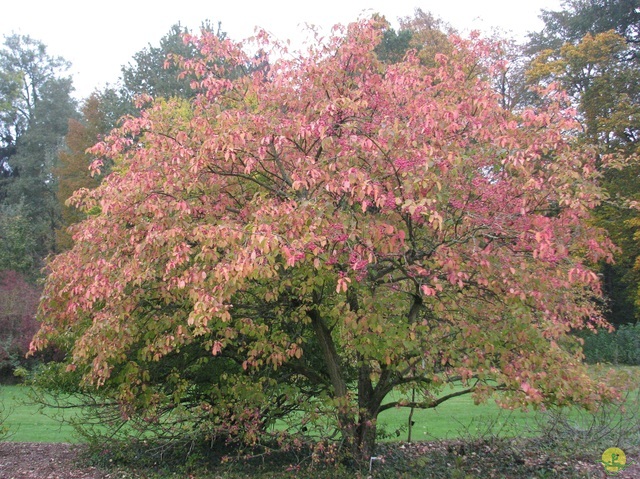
(325,229)
(578,18)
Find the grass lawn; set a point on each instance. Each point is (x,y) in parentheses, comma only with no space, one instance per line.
(457,418)
(28,422)
(560,450)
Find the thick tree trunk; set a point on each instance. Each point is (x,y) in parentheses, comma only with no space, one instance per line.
(359,429)
(364,442)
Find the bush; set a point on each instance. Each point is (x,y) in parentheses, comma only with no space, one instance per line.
(619,347)
(18,305)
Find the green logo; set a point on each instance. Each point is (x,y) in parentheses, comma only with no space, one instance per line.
(614,460)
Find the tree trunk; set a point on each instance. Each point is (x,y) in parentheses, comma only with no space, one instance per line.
(358,428)
(329,353)
(364,442)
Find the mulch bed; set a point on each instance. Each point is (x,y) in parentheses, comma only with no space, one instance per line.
(26,460)
(63,461)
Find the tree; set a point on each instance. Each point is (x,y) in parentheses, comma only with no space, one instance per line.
(152,71)
(579,18)
(36,105)
(429,35)
(591,48)
(422,32)
(18,304)
(312,237)
(33,183)
(603,86)
(25,70)
(19,251)
(73,169)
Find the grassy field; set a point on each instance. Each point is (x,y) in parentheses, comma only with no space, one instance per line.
(458,417)
(455,418)
(569,449)
(27,422)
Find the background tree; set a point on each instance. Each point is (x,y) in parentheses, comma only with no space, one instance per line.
(581,17)
(152,71)
(422,32)
(36,107)
(591,48)
(73,169)
(429,35)
(313,242)
(19,251)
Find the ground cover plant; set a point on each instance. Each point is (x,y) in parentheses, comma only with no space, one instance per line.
(314,232)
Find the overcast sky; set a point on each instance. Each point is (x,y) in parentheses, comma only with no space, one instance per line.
(99,37)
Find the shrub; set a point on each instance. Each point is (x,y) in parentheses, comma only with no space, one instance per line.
(18,305)
(619,347)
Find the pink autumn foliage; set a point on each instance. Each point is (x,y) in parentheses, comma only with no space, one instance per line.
(395,219)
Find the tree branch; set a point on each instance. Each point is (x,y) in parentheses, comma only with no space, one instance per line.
(426,404)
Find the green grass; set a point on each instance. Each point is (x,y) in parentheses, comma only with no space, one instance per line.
(455,418)
(553,452)
(28,422)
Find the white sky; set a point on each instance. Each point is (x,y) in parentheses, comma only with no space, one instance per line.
(98,37)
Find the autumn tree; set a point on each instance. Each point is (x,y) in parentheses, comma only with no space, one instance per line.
(149,72)
(73,168)
(301,241)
